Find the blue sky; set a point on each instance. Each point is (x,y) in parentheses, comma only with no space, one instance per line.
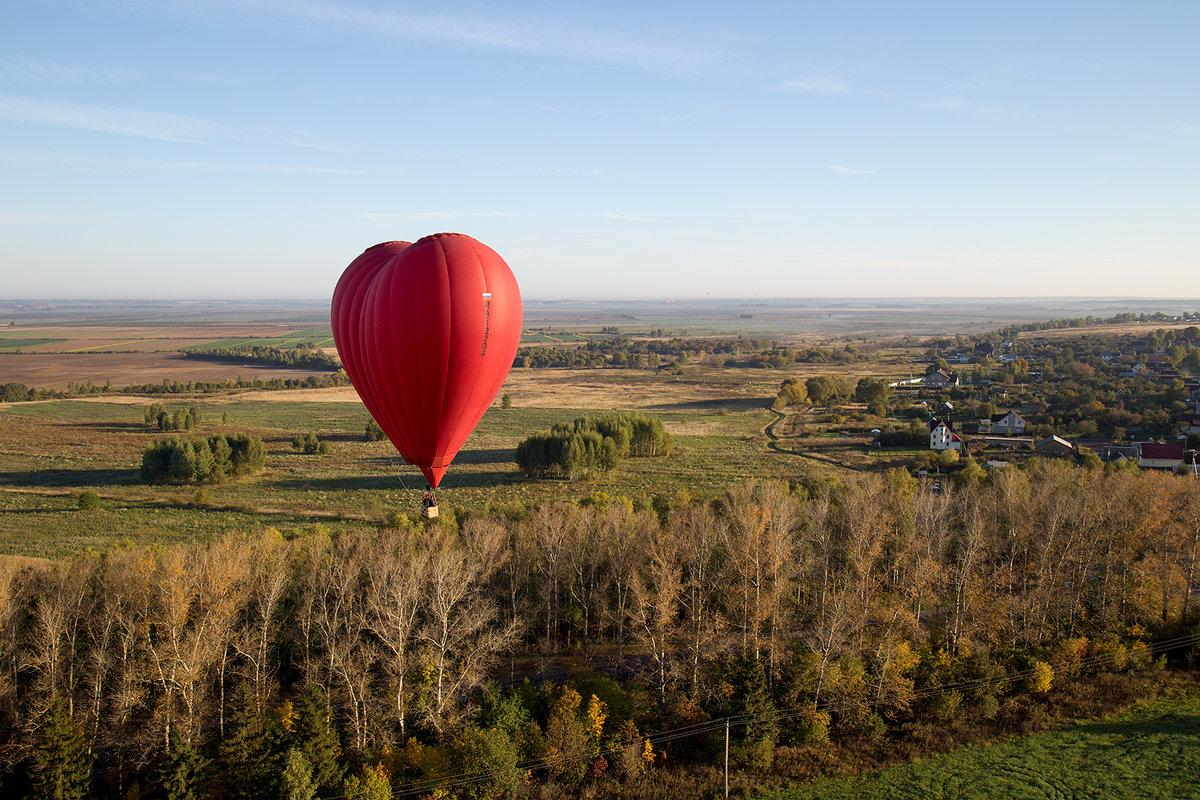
(252,148)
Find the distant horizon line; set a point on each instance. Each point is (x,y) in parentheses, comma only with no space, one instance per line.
(619,299)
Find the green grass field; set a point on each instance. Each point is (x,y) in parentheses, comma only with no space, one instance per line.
(1150,752)
(56,449)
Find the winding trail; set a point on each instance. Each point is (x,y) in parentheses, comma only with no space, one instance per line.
(773,443)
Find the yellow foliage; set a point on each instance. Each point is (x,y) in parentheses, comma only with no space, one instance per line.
(597,713)
(648,754)
(904,659)
(288,716)
(1043,677)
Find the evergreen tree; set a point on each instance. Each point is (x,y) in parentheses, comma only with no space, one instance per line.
(177,775)
(247,760)
(313,734)
(757,747)
(297,778)
(63,764)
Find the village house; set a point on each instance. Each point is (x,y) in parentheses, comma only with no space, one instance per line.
(1009,423)
(941,379)
(943,437)
(1116,452)
(1152,455)
(1191,424)
(1054,446)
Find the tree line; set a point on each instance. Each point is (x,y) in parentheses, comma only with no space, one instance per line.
(867,604)
(303,356)
(14,392)
(624,352)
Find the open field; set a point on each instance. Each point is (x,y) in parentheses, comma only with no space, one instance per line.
(1128,328)
(1149,752)
(55,371)
(719,418)
(148,337)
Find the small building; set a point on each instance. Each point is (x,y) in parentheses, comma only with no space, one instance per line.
(941,379)
(1010,423)
(1116,452)
(1191,424)
(943,437)
(1152,455)
(1054,446)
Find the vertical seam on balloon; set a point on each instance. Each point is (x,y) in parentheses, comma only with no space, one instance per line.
(391,414)
(479,366)
(450,366)
(418,368)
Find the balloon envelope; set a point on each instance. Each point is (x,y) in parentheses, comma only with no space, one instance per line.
(427,333)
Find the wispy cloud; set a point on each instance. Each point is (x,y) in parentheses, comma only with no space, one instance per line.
(37,71)
(847,170)
(816,84)
(137,122)
(628,218)
(535,36)
(957,105)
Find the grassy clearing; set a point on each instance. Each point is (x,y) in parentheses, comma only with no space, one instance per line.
(718,417)
(53,526)
(55,449)
(1151,751)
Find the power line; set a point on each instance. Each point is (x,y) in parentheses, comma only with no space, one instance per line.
(721,723)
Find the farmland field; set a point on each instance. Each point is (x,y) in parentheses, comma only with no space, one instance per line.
(721,418)
(1150,752)
(56,448)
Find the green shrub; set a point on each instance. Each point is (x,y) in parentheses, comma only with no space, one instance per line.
(589,444)
(203,460)
(372,432)
(89,501)
(309,444)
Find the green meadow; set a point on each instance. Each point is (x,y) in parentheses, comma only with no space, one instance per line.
(1152,751)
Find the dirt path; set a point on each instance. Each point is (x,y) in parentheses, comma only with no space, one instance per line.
(773,443)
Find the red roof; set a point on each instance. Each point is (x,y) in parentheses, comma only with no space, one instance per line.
(1172,451)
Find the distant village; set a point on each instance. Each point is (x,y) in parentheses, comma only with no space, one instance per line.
(1117,398)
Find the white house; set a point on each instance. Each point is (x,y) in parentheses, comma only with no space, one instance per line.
(943,437)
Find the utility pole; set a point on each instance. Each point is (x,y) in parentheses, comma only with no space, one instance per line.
(727,759)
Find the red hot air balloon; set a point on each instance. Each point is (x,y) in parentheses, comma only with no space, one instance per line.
(427,333)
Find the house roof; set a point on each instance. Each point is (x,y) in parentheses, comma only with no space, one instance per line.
(998,417)
(1052,439)
(1171,450)
(936,423)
